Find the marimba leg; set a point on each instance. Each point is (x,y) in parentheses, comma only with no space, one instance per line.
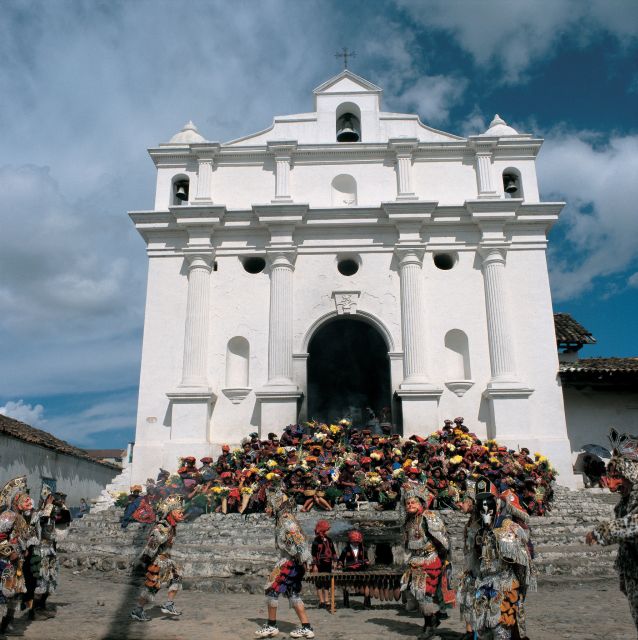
(346,598)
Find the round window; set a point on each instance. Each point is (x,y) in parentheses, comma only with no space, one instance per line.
(347,267)
(254,264)
(444,261)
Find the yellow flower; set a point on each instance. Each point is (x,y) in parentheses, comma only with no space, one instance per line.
(271,476)
(494,460)
(407,463)
(217,489)
(456,460)
(280,451)
(271,463)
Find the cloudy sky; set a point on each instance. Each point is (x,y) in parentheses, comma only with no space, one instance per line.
(86,86)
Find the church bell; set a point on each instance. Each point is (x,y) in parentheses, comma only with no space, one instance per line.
(348,128)
(181,190)
(510,183)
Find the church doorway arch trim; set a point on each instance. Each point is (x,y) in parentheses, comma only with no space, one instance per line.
(359,315)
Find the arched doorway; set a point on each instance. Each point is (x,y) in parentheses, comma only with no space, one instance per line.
(348,371)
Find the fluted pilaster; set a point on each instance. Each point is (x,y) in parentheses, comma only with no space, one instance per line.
(196,329)
(205,180)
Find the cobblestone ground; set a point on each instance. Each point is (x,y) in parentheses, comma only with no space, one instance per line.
(88,607)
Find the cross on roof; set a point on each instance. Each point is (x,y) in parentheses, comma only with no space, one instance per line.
(345,54)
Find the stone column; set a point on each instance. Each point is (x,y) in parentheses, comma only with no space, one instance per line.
(280,318)
(484,172)
(196,329)
(419,397)
(412,316)
(502,363)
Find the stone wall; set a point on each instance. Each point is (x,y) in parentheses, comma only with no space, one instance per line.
(236,553)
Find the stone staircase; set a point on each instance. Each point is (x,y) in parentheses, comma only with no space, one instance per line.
(235,553)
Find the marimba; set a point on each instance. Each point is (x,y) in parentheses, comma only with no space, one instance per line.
(388,580)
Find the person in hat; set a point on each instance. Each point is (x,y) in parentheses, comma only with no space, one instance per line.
(354,557)
(426,579)
(499,569)
(287,576)
(622,478)
(160,568)
(207,471)
(324,556)
(132,504)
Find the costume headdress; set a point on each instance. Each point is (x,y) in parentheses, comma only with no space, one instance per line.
(512,507)
(419,491)
(484,488)
(11,489)
(625,454)
(169,504)
(276,499)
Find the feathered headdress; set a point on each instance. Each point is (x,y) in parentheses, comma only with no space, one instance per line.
(276,499)
(169,504)
(11,489)
(419,491)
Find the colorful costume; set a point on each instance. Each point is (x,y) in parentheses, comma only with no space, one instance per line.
(498,566)
(624,528)
(13,536)
(160,567)
(285,579)
(426,579)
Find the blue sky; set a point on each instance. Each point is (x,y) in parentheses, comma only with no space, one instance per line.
(87,86)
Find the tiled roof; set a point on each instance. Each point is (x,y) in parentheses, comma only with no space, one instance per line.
(570,332)
(27,433)
(604,373)
(601,365)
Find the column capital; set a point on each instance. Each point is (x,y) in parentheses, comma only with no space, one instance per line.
(282,149)
(196,259)
(409,254)
(281,257)
(403,147)
(207,151)
(493,253)
(481,145)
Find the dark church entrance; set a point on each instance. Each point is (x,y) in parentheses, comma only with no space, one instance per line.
(348,373)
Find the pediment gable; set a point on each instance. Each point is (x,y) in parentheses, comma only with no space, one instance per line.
(347,82)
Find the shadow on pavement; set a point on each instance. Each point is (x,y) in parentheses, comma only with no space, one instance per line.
(121,621)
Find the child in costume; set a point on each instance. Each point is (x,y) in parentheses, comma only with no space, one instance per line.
(324,555)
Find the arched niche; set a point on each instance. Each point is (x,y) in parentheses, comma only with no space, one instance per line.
(237,369)
(457,362)
(344,191)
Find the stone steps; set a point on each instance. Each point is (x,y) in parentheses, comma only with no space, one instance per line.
(232,552)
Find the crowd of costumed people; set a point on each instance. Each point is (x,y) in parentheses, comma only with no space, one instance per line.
(322,466)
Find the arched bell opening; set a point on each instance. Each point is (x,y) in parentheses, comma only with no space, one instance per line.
(349,373)
(348,117)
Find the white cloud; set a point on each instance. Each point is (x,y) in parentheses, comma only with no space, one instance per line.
(596,178)
(513,36)
(29,414)
(632,281)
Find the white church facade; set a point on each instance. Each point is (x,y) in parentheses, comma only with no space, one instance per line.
(344,260)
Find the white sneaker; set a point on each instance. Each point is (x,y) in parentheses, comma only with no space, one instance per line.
(267,632)
(302,633)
